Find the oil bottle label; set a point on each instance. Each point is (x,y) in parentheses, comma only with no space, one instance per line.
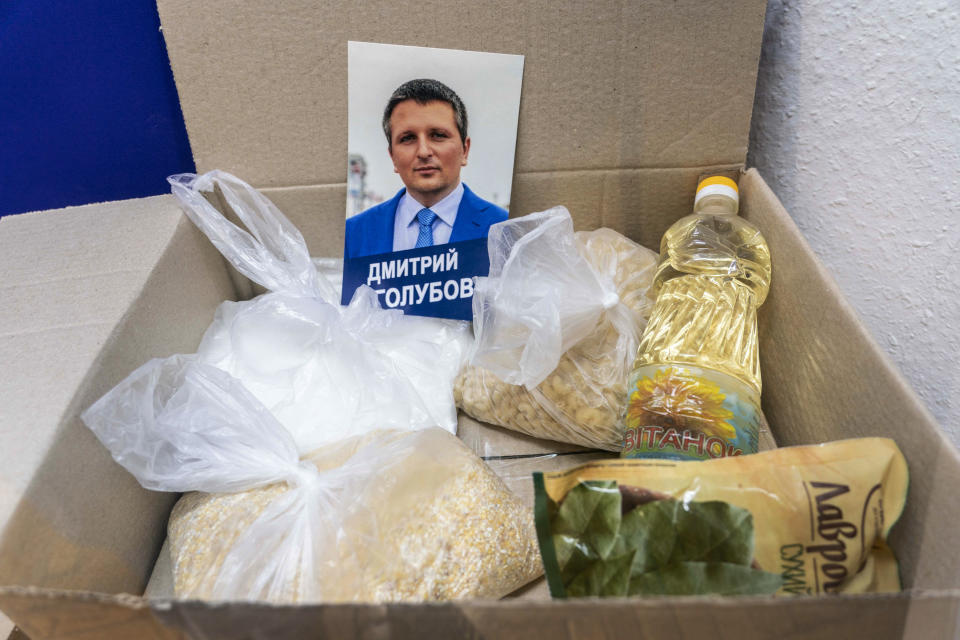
(682,413)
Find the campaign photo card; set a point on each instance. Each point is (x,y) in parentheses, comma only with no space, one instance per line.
(431,140)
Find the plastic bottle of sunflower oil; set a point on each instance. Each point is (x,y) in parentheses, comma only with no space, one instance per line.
(695,386)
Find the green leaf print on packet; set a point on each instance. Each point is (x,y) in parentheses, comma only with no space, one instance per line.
(659,547)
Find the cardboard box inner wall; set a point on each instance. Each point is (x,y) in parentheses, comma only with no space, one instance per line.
(624,106)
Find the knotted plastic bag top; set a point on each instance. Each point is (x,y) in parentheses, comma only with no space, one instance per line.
(179,425)
(541,298)
(557,327)
(345,525)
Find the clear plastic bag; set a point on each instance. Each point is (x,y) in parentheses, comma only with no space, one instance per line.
(325,371)
(381,517)
(273,252)
(557,324)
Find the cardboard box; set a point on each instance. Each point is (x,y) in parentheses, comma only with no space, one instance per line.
(625,104)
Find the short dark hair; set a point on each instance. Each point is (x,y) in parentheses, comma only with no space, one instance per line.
(422,91)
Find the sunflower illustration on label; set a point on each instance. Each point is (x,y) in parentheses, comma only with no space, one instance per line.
(682,412)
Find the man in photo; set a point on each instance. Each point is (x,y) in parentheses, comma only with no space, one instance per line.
(426,127)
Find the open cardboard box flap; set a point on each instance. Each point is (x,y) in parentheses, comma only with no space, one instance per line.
(624,106)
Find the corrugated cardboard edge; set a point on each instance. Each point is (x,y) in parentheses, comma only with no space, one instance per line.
(48,613)
(65,614)
(917,616)
(17,634)
(807,314)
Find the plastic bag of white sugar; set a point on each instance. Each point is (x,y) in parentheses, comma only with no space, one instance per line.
(325,371)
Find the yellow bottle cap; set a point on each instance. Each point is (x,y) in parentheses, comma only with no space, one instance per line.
(717,185)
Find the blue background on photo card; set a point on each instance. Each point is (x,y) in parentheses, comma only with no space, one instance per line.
(472,260)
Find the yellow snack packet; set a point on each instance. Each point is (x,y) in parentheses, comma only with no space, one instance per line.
(796,520)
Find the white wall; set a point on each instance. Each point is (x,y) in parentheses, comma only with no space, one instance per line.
(856,127)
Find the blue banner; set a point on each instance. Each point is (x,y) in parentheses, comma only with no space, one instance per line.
(433,281)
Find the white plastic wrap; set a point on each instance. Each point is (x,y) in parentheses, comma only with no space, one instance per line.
(325,371)
(272,254)
(387,516)
(541,298)
(557,325)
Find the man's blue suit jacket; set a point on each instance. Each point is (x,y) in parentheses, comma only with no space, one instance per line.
(371,232)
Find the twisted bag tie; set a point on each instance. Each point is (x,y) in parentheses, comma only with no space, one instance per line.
(425,239)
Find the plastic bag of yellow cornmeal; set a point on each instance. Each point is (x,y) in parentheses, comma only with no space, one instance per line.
(557,324)
(797,520)
(413,516)
(385,516)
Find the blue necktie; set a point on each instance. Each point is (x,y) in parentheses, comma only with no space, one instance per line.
(425,238)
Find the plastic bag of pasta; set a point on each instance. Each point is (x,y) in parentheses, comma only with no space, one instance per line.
(381,517)
(326,372)
(797,520)
(556,324)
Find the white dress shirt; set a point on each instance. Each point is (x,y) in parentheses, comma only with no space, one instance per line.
(406,227)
